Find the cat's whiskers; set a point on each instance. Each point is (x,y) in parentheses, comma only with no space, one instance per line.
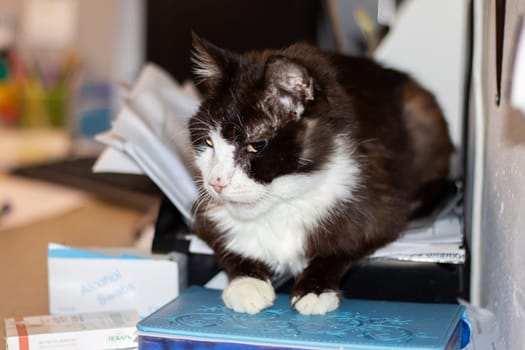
(203,196)
(203,200)
(201,123)
(201,139)
(198,203)
(241,124)
(201,120)
(204,128)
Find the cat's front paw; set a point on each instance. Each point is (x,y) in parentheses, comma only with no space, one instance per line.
(316,304)
(248,294)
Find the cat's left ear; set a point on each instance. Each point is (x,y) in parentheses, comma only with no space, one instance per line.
(289,84)
(210,61)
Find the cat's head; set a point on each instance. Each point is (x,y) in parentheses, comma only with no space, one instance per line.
(254,135)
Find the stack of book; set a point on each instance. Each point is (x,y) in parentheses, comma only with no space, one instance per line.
(197,319)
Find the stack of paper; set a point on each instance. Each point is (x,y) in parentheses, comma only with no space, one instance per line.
(439,242)
(150,136)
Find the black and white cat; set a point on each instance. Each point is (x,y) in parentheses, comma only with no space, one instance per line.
(308,162)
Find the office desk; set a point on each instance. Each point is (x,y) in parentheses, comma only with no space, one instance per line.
(23,252)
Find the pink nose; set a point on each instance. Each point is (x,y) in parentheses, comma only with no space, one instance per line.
(218,188)
(218,184)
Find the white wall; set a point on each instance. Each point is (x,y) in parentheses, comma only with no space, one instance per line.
(429,41)
(110,35)
(499,273)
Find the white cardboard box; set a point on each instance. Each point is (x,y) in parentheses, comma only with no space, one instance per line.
(91,281)
(87,331)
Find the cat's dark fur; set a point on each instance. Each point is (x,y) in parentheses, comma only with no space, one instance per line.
(308,114)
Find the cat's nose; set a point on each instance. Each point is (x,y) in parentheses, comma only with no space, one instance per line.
(218,188)
(218,184)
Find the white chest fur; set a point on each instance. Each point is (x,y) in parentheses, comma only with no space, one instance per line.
(296,204)
(277,238)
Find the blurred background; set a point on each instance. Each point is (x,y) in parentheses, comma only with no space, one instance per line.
(61,61)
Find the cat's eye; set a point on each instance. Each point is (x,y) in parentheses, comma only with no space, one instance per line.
(255,147)
(209,142)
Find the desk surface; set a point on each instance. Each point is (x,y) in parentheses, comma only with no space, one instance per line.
(23,252)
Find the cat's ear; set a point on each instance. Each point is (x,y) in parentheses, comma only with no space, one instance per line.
(289,84)
(209,61)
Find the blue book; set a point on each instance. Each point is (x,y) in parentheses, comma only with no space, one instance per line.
(198,319)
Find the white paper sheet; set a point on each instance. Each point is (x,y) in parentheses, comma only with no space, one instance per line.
(150,136)
(25,198)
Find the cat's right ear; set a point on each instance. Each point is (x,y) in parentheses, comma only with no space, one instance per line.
(288,85)
(210,62)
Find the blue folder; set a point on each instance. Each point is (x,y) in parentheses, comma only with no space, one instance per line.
(197,319)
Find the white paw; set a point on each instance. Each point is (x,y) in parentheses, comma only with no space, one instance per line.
(248,294)
(316,304)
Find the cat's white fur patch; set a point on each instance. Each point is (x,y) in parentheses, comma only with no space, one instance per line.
(248,294)
(316,304)
(218,162)
(271,222)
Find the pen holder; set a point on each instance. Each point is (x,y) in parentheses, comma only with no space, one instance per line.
(10,99)
(45,107)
